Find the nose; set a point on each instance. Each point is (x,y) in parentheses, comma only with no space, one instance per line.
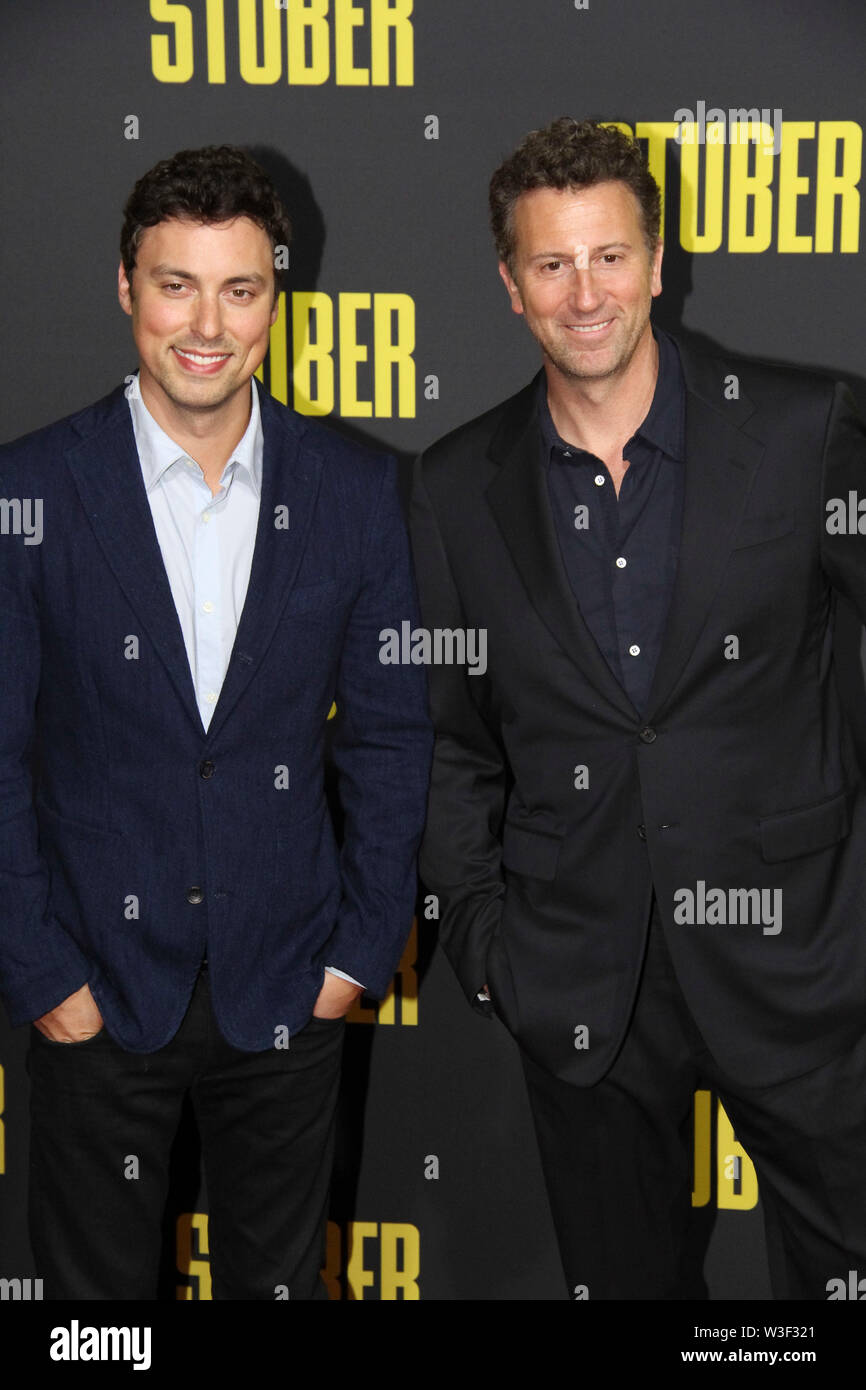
(586,294)
(207,319)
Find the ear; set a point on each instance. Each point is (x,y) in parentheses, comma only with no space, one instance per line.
(124,290)
(275,310)
(511,287)
(657,268)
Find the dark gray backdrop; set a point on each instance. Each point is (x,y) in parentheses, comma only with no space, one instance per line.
(379,208)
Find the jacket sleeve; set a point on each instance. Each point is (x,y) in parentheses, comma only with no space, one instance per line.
(461,851)
(382,748)
(40,964)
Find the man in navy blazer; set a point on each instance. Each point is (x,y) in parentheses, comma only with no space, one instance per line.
(212,575)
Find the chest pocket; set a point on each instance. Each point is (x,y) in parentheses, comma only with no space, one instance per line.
(307,599)
(755,530)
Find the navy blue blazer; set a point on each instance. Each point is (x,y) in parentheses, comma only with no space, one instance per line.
(131,839)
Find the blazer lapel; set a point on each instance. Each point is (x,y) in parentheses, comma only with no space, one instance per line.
(721,461)
(520,503)
(108,478)
(291,473)
(107,475)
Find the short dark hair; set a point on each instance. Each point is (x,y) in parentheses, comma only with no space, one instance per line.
(571,154)
(213,184)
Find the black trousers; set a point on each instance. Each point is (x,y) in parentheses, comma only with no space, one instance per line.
(617,1157)
(266,1121)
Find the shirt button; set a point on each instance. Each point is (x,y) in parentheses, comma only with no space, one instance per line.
(641,830)
(599,480)
(648,735)
(566,453)
(621,563)
(205,516)
(195,895)
(211,697)
(634,649)
(207,606)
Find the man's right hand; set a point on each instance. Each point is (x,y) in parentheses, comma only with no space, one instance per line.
(75,1020)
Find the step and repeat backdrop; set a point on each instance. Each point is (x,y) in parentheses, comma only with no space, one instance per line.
(380,122)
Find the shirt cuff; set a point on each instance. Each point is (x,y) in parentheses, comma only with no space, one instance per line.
(332,970)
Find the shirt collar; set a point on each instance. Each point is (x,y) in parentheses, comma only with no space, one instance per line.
(664,423)
(158,452)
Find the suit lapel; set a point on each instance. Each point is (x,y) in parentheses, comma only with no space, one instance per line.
(520,503)
(107,475)
(721,461)
(291,473)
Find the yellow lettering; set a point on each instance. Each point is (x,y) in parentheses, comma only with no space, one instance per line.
(216,41)
(311,352)
(347,18)
(714,172)
(351,353)
(701,1190)
(187,1249)
(831,185)
(164,70)
(399,1275)
(252,71)
(358,1277)
(277,359)
(727,1181)
(746,187)
(361,1013)
(792,184)
(384,16)
(305,17)
(657,134)
(394,350)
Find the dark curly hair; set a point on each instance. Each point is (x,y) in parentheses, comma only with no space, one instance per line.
(213,184)
(571,154)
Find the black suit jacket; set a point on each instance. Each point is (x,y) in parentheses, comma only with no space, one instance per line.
(740,775)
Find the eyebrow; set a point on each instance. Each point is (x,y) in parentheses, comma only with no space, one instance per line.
(160,272)
(569,255)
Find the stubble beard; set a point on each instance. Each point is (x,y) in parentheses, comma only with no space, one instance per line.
(172,384)
(573,370)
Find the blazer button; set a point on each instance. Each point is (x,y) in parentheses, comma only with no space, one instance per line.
(648,735)
(195,895)
(207,768)
(641,830)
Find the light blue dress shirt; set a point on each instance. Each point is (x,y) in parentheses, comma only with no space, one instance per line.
(206,541)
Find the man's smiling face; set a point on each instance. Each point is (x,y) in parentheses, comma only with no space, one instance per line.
(583,276)
(201,303)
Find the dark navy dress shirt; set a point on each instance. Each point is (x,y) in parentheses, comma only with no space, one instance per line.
(620,554)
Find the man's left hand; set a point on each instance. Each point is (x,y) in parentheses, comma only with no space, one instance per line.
(335,997)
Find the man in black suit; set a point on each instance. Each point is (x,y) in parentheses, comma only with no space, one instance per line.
(646,829)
